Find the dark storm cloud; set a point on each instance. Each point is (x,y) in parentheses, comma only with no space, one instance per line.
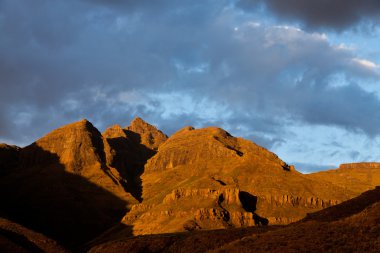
(348,106)
(335,14)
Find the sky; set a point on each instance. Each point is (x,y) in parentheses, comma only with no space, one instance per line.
(301,78)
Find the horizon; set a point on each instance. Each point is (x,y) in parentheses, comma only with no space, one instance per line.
(300,81)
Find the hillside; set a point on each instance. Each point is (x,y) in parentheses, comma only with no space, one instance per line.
(352,226)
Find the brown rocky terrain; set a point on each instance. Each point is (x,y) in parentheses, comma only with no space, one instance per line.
(352,226)
(76,184)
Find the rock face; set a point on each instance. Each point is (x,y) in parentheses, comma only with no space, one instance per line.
(209,178)
(352,226)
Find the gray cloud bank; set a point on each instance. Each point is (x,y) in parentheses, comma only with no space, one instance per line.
(173,63)
(335,14)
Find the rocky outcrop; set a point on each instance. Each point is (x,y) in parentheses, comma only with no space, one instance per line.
(295,201)
(228,196)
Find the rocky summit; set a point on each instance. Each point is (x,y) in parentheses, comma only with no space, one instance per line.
(82,188)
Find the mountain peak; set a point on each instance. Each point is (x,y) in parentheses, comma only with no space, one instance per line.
(149,135)
(77,145)
(82,125)
(114,131)
(139,123)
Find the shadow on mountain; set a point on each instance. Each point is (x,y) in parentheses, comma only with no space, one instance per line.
(42,196)
(129,159)
(249,203)
(9,156)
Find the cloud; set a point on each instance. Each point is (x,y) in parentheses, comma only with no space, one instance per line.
(182,63)
(365,63)
(314,14)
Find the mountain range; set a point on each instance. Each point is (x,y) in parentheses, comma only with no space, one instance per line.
(86,190)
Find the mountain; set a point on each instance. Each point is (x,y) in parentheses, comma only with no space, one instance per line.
(208,179)
(62,186)
(74,183)
(352,226)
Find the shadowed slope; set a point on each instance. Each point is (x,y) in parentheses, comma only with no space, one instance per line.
(16,239)
(9,156)
(130,148)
